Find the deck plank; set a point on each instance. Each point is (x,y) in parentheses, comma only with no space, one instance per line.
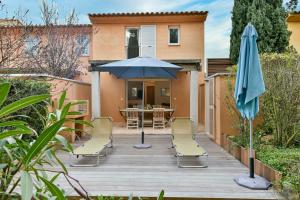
(146,172)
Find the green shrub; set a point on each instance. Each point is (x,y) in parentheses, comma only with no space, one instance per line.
(21,88)
(281,101)
(286,161)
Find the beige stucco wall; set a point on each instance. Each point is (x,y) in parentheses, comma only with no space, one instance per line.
(112,94)
(109,41)
(294,27)
(75,90)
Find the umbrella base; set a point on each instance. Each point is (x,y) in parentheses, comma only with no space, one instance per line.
(142,146)
(256,183)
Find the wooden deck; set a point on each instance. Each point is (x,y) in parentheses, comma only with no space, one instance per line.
(146,172)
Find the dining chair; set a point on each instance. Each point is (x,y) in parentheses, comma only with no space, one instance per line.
(157,106)
(158,118)
(132,116)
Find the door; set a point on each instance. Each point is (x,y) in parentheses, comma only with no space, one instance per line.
(148,41)
(150,95)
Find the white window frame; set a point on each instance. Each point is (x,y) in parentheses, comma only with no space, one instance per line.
(30,43)
(126,44)
(174,27)
(87,45)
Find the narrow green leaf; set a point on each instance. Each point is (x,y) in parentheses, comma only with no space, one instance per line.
(26,186)
(43,140)
(4,90)
(22,103)
(54,177)
(62,100)
(84,122)
(74,113)
(60,162)
(55,191)
(64,142)
(161,195)
(14,132)
(12,123)
(79,102)
(65,111)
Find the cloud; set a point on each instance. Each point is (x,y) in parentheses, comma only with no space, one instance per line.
(217,26)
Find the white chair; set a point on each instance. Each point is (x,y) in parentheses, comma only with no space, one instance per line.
(158,118)
(132,115)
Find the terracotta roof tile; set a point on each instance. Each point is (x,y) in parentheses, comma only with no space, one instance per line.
(148,13)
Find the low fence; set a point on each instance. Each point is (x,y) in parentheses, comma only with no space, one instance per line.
(76,90)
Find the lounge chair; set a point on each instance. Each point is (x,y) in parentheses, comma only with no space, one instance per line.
(183,140)
(98,145)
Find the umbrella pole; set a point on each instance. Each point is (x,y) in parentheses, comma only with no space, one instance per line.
(251,181)
(143,107)
(142,145)
(251,157)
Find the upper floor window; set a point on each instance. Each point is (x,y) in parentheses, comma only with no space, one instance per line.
(31,44)
(132,42)
(174,35)
(83,44)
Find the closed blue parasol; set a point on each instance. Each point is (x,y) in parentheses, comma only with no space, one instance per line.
(141,67)
(249,86)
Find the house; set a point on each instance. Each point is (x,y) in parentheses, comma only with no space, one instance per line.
(293,21)
(175,37)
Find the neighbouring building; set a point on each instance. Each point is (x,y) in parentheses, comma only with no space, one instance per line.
(293,22)
(175,37)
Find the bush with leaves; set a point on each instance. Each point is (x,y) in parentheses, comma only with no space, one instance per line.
(281,101)
(33,115)
(27,164)
(285,160)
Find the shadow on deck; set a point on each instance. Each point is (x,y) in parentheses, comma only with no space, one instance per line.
(146,172)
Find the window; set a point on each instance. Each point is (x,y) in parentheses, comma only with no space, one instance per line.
(83,44)
(174,35)
(31,44)
(132,42)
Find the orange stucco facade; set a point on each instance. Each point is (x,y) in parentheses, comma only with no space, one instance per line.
(109,44)
(293,21)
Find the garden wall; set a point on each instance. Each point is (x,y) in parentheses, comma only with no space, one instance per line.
(220,111)
(76,90)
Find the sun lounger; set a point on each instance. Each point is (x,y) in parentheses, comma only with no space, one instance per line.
(98,144)
(183,140)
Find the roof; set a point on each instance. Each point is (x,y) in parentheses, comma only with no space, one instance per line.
(148,13)
(218,65)
(149,17)
(294,17)
(10,22)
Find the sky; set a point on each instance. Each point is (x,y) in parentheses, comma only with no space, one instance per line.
(217,26)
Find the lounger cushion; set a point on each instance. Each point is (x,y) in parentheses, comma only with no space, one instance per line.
(189,149)
(91,147)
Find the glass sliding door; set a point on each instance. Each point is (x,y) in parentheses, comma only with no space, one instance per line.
(132,42)
(157,93)
(134,94)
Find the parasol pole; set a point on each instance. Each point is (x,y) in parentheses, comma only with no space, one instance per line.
(143,107)
(251,156)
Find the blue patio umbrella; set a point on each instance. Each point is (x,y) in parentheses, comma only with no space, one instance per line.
(141,67)
(248,87)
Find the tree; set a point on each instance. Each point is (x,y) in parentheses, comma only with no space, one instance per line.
(57,47)
(13,34)
(268,17)
(291,5)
